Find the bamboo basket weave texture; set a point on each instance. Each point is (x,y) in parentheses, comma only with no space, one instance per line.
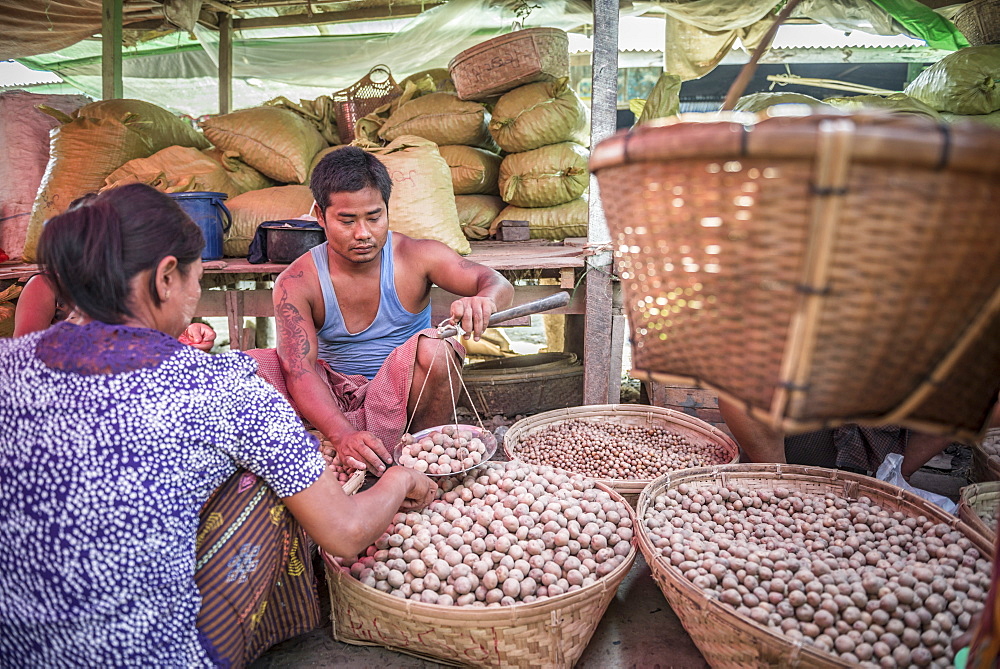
(724,637)
(508,61)
(820,269)
(363,97)
(979,21)
(980,498)
(548,633)
(518,384)
(984,467)
(694,429)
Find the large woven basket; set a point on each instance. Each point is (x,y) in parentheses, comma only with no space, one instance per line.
(985,468)
(695,430)
(817,269)
(979,21)
(362,98)
(724,637)
(518,384)
(550,633)
(980,498)
(502,63)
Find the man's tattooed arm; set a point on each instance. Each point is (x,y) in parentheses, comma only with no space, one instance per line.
(293,340)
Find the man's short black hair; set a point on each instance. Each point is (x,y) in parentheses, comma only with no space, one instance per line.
(348,170)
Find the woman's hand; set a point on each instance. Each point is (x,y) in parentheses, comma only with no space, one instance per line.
(198,335)
(422,490)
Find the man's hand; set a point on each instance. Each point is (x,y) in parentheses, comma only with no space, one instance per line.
(363,450)
(198,335)
(421,492)
(473,315)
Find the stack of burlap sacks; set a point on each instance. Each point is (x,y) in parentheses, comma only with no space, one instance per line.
(261,158)
(544,129)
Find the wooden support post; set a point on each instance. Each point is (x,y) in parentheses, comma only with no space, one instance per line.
(234,312)
(111,49)
(603,337)
(225,63)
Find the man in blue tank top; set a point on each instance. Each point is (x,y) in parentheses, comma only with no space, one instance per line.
(353,318)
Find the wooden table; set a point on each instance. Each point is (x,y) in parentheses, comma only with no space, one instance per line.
(560,260)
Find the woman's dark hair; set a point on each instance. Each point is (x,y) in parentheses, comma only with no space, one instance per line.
(348,170)
(92,251)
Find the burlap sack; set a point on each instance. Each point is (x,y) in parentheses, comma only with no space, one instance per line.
(897,103)
(92,143)
(441,118)
(277,142)
(253,208)
(473,171)
(24,136)
(963,82)
(476,214)
(539,114)
(555,223)
(422,203)
(243,177)
(756,102)
(175,169)
(544,177)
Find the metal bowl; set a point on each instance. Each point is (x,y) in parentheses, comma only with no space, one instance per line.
(485,435)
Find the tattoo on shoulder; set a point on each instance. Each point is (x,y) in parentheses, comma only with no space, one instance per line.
(292,337)
(465,263)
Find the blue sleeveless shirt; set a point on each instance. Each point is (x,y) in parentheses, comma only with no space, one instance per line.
(364,352)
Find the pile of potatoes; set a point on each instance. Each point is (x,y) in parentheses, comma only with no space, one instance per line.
(991,445)
(607,450)
(449,450)
(510,533)
(876,587)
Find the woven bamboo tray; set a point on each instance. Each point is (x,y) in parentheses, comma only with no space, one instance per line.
(983,468)
(977,498)
(502,63)
(818,269)
(694,429)
(724,637)
(979,21)
(548,633)
(523,383)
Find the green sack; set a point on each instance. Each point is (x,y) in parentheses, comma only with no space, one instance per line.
(663,101)
(476,214)
(244,177)
(555,223)
(964,82)
(539,114)
(545,177)
(473,170)
(756,102)
(440,118)
(898,103)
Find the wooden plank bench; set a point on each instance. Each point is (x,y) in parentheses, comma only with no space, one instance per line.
(561,260)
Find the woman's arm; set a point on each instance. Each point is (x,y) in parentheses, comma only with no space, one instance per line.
(36,306)
(346,525)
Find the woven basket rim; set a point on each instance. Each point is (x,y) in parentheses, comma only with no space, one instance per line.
(624,486)
(541,375)
(551,360)
(782,473)
(503,39)
(513,614)
(879,138)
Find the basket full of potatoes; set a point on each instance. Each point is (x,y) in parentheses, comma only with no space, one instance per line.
(784,565)
(512,565)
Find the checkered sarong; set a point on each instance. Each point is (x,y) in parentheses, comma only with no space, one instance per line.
(377,406)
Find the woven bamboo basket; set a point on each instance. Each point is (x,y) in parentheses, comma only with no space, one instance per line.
(523,383)
(694,429)
(979,21)
(980,498)
(984,468)
(724,637)
(362,98)
(819,270)
(502,63)
(548,633)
